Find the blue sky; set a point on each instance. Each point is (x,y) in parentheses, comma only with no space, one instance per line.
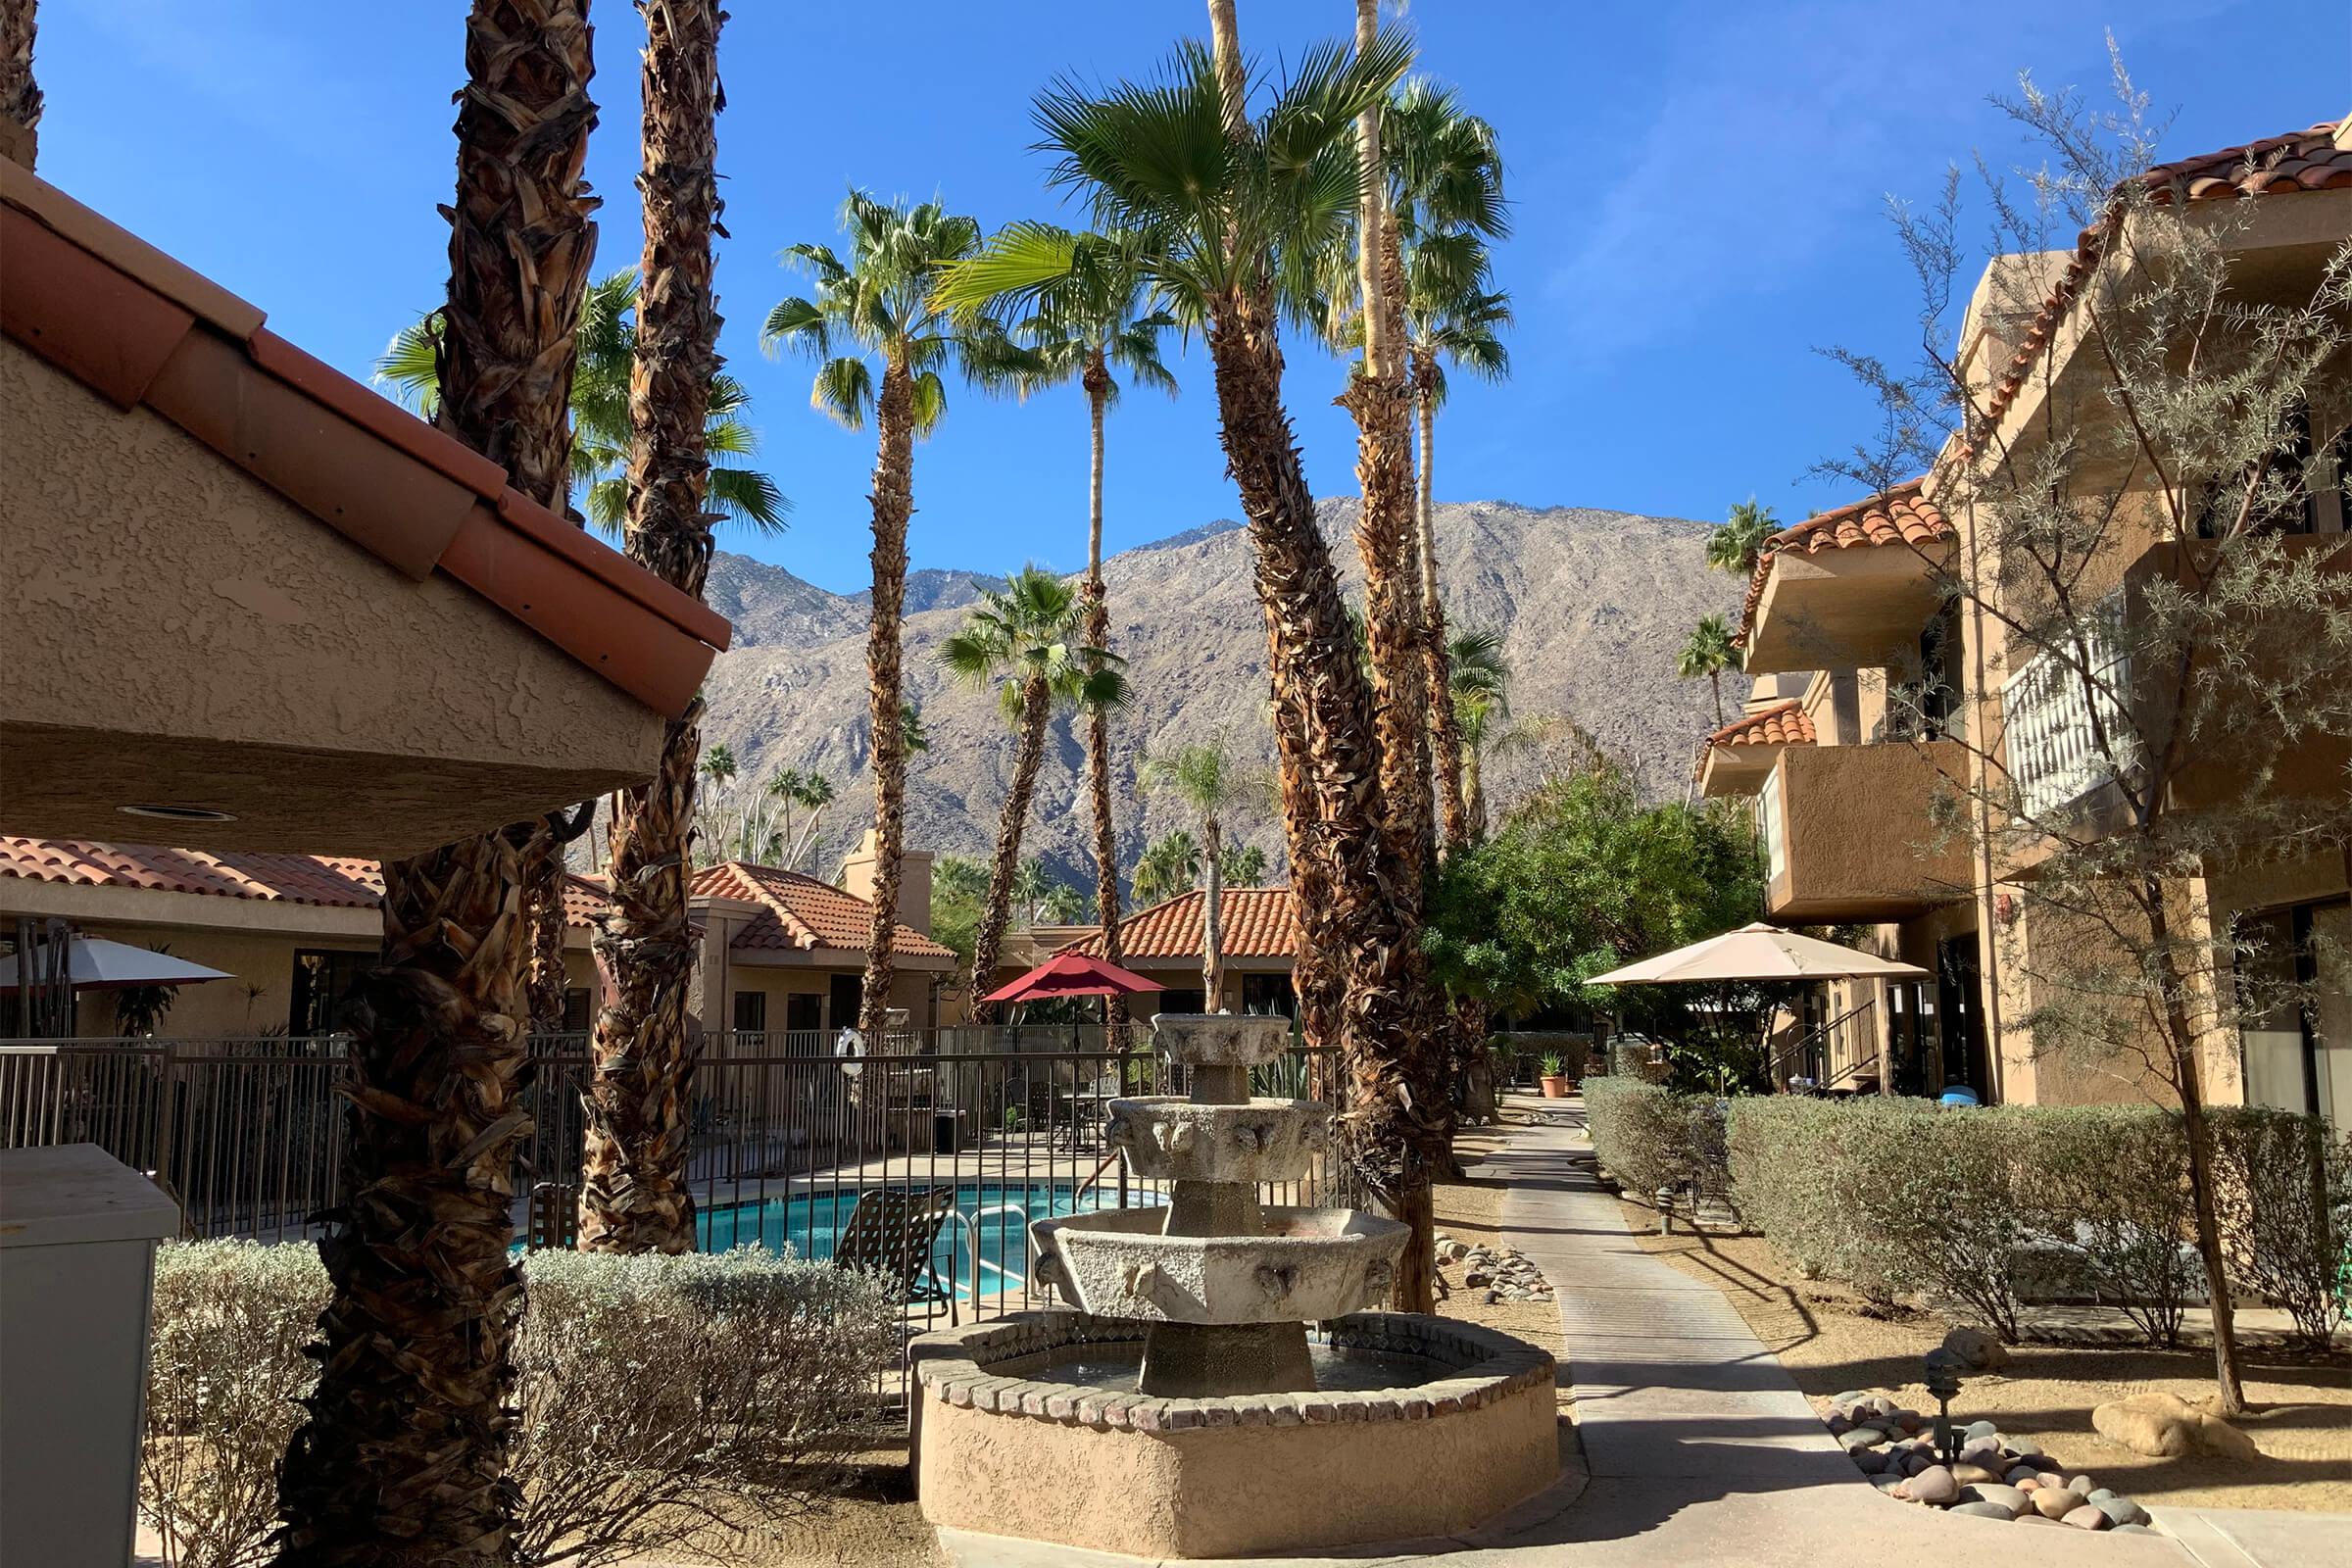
(1698,189)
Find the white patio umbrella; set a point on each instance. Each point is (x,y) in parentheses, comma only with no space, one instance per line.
(97,965)
(1760,952)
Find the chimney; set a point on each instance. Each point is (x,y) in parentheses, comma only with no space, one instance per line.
(914,881)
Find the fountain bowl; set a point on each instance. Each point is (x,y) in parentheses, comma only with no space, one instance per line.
(1004,1446)
(1310,1263)
(1169,1138)
(1223,1038)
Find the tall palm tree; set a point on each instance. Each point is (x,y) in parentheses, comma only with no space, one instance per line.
(1169,864)
(1245,210)
(634,1195)
(1708,652)
(1737,542)
(1479,683)
(402,1455)
(1090,322)
(599,413)
(1210,782)
(816,792)
(877,306)
(1027,637)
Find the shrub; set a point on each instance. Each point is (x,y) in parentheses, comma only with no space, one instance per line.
(2285,1195)
(1641,1133)
(2120,1172)
(658,1396)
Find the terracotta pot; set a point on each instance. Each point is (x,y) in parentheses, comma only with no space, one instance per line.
(1556,1085)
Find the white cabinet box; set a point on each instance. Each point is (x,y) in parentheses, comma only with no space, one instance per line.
(78,1234)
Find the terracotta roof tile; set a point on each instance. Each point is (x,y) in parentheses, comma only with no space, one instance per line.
(143,331)
(1784,724)
(2298,160)
(800,912)
(1901,515)
(1256,923)
(331,882)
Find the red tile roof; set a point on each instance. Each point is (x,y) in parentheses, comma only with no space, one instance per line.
(331,882)
(1254,923)
(1901,515)
(1782,724)
(2296,161)
(799,913)
(141,330)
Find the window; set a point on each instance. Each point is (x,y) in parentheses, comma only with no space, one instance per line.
(2295,1029)
(1768,825)
(843,997)
(751,1011)
(1269,993)
(2303,491)
(1931,708)
(324,981)
(1181,1001)
(804,1010)
(577,1004)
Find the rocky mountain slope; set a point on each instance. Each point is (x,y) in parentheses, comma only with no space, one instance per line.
(1591,604)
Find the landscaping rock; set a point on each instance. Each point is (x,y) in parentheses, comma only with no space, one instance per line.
(2025,1451)
(1976,1350)
(2011,1500)
(1982,1510)
(1977,1430)
(2086,1517)
(2163,1426)
(1887,1482)
(2083,1485)
(1974,1475)
(2034,1519)
(2121,1512)
(1862,1437)
(1935,1485)
(2055,1502)
(1870,1462)
(2020,1475)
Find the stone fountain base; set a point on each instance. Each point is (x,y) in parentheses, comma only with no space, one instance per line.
(1004,1446)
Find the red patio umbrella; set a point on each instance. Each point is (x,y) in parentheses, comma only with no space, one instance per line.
(1071,974)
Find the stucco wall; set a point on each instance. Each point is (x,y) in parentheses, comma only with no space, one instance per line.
(157,594)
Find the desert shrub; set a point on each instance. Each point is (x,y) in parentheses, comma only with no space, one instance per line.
(2114,1179)
(1641,1132)
(661,1400)
(224,1368)
(2284,1192)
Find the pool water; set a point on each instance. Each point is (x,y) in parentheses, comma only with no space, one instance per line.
(810,1223)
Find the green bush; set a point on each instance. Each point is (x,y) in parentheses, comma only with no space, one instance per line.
(1649,1138)
(2120,1173)
(652,1392)
(2286,1206)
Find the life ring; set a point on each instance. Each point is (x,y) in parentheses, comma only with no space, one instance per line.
(850,1045)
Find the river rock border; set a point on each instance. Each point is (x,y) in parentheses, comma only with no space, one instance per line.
(951,1367)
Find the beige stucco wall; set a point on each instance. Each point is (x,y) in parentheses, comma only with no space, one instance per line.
(1226,1490)
(175,630)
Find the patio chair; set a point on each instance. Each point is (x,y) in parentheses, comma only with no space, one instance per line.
(555,1218)
(893,1232)
(1051,1111)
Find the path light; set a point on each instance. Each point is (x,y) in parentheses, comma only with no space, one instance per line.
(1944,1382)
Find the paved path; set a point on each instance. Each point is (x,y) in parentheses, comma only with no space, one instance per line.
(1699,1448)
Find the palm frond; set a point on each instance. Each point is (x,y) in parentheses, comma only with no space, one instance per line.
(843,392)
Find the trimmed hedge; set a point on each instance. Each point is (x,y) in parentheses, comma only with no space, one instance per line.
(1990,1208)
(1649,1137)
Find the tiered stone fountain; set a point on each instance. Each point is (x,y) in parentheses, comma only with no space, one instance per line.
(1225,1431)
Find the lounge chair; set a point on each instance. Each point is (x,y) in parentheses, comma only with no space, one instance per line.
(894,1232)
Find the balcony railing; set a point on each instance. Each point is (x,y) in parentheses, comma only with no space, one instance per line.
(2055,751)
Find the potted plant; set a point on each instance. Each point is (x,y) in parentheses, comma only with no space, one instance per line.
(1555,1078)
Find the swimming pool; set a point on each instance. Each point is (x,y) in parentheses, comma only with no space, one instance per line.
(1000,1211)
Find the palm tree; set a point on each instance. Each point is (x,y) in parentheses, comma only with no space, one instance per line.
(1738,541)
(402,1455)
(1063,904)
(599,413)
(1708,652)
(1092,319)
(816,792)
(877,305)
(1479,682)
(1169,865)
(1244,210)
(1213,784)
(1030,885)
(1244,865)
(1026,636)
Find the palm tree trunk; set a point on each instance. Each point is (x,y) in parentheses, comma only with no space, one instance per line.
(1715,679)
(20,93)
(799,846)
(1212,918)
(1097,720)
(1474,791)
(1225,50)
(893,503)
(1353,924)
(1037,703)
(402,1458)
(1446,731)
(1385,536)
(634,1193)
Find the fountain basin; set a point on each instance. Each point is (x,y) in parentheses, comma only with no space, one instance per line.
(1223,1038)
(1006,1446)
(1170,1138)
(1311,1264)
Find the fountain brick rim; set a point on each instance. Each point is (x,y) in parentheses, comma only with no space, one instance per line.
(952,1367)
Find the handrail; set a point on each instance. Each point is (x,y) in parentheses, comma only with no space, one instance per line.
(1821,1035)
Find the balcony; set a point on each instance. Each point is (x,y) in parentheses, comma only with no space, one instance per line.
(1847,833)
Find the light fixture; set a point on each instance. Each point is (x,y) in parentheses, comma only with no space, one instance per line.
(164,812)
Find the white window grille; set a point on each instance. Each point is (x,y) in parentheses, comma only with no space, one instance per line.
(1768,823)
(2055,755)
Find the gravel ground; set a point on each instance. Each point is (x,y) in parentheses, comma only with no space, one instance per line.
(1823,1334)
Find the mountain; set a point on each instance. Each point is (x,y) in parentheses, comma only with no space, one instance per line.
(1592,606)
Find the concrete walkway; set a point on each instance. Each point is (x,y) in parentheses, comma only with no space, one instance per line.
(1699,1448)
